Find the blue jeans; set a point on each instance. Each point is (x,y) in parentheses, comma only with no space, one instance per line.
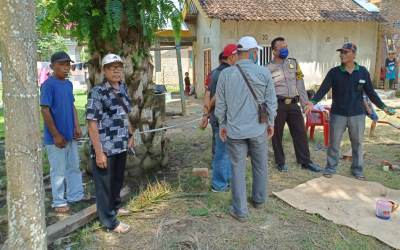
(356,127)
(65,173)
(221,165)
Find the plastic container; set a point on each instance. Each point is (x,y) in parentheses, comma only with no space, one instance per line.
(385,208)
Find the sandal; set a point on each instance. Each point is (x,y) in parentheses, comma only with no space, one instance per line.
(62,209)
(360,177)
(122,228)
(123,212)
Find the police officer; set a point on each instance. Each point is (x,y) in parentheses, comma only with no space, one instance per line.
(290,90)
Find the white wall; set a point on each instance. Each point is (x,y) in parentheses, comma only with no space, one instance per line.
(208,37)
(169,67)
(307,42)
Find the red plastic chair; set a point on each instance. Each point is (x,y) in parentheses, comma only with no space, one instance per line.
(317,118)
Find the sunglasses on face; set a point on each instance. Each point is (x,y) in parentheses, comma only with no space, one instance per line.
(115,67)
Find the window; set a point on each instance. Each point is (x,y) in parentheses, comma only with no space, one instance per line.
(207,62)
(265,55)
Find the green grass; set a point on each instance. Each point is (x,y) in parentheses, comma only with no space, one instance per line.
(172,88)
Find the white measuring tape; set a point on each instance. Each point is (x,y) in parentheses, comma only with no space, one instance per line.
(158,129)
(168,127)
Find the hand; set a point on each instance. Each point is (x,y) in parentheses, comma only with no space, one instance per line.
(270,132)
(131,142)
(223,134)
(204,122)
(308,107)
(389,110)
(59,141)
(101,160)
(77,132)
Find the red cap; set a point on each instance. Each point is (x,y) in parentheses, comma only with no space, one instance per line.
(230,49)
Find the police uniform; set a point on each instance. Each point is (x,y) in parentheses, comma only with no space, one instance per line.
(290,90)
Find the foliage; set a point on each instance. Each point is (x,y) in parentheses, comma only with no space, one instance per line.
(107,24)
(153,194)
(49,43)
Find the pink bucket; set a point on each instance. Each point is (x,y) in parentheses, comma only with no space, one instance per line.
(385,208)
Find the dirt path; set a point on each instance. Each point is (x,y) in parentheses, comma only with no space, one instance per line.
(194,218)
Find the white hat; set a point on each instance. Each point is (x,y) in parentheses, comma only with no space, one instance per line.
(110,58)
(247,43)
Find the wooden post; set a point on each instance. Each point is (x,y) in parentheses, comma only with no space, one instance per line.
(181,87)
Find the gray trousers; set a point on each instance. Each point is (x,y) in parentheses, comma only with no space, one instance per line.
(356,127)
(257,149)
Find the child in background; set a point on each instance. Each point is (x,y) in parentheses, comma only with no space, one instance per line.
(187,84)
(390,65)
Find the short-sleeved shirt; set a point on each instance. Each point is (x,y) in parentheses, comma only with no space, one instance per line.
(391,69)
(58,96)
(112,120)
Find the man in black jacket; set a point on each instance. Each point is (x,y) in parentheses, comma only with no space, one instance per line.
(348,82)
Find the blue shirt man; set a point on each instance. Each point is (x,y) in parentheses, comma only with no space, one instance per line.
(57,95)
(60,129)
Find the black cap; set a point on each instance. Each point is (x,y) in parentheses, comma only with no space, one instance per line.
(60,56)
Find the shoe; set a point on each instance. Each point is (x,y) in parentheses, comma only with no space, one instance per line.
(312,166)
(257,205)
(360,177)
(220,191)
(283,168)
(237,217)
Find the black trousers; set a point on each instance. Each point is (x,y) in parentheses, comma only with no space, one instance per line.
(292,115)
(108,183)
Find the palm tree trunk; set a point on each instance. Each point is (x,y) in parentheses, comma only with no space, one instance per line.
(148,109)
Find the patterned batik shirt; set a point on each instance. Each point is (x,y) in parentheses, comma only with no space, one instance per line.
(112,120)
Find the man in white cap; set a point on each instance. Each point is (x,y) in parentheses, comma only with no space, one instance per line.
(241,91)
(111,136)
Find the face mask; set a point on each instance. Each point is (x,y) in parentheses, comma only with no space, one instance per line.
(283,53)
(252,58)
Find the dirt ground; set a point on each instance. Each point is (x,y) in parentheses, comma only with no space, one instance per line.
(192,217)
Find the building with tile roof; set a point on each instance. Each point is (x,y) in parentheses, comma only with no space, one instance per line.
(314,29)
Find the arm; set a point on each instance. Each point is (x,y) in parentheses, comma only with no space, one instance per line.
(301,89)
(212,102)
(372,95)
(206,101)
(59,140)
(270,100)
(324,88)
(46,101)
(366,106)
(220,104)
(213,88)
(94,137)
(94,113)
(206,110)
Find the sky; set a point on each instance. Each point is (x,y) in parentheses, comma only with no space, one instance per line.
(368,6)
(364,3)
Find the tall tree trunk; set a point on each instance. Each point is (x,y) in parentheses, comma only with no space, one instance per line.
(25,193)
